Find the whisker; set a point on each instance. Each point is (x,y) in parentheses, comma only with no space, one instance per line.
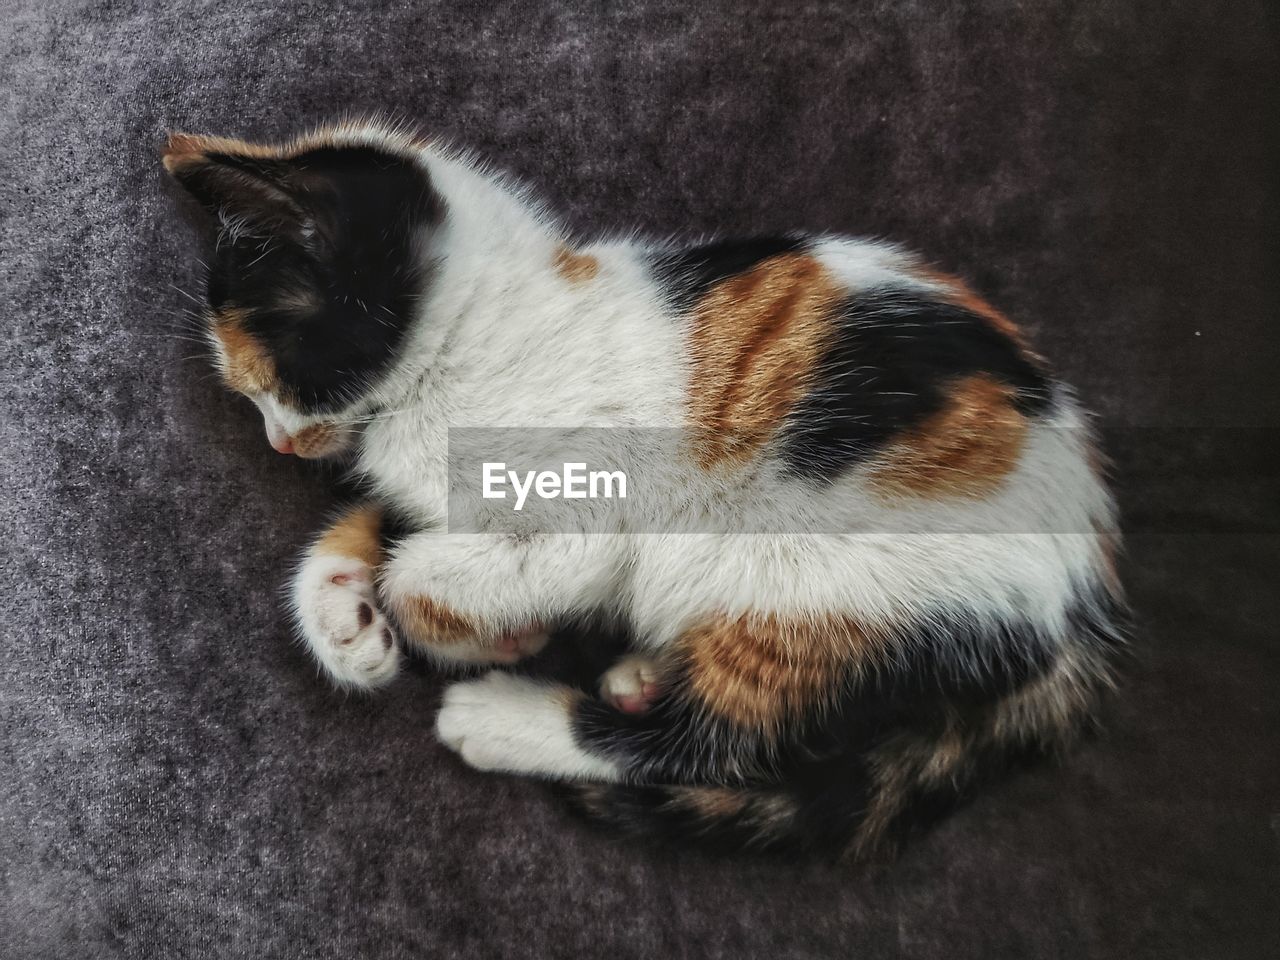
(196,300)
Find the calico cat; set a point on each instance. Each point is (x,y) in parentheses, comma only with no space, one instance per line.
(822,685)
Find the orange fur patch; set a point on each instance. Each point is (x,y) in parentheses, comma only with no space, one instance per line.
(713,803)
(247,366)
(315,440)
(760,671)
(966,449)
(755,341)
(355,534)
(575,267)
(429,621)
(185,149)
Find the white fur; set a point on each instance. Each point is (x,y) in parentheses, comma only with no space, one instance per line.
(516,725)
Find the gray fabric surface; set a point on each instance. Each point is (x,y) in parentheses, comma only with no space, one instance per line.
(175,781)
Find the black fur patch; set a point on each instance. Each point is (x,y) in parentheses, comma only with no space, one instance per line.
(675,741)
(888,369)
(688,274)
(949,665)
(325,261)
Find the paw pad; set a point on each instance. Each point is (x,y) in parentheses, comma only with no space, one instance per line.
(341,623)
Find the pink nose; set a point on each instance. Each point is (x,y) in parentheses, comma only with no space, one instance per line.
(282,444)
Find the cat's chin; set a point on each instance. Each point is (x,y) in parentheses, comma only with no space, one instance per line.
(321,441)
(336,454)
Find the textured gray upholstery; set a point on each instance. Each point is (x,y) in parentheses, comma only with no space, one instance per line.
(176,781)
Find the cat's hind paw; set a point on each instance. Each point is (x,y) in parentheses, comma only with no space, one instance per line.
(632,684)
(507,723)
(339,619)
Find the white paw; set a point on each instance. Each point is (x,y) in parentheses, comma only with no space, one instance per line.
(504,722)
(632,684)
(338,616)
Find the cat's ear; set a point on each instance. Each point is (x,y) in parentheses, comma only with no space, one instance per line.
(244,185)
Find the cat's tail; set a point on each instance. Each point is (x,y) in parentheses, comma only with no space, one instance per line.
(851,808)
(725,817)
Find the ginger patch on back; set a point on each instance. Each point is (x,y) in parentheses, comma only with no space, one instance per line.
(754,343)
(965,449)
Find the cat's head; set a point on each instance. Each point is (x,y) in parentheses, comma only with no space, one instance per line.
(316,272)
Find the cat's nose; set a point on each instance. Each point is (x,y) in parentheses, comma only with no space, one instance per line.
(277,435)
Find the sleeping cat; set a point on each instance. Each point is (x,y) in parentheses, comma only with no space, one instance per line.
(883,564)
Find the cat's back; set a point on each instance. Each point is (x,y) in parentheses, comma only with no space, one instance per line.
(900,425)
(834,355)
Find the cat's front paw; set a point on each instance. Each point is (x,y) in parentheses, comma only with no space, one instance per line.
(338,617)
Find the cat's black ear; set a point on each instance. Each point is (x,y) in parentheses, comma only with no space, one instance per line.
(244,185)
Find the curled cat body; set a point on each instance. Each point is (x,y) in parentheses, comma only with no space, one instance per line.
(888,566)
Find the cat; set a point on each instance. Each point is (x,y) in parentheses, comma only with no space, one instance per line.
(935,593)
